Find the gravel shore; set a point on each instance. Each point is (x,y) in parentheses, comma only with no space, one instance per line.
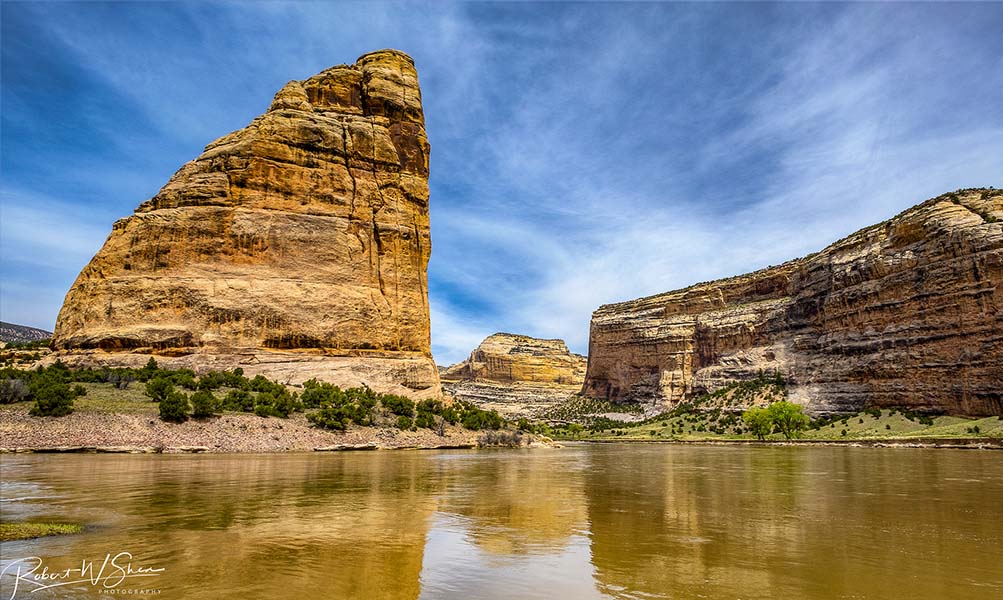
(86,430)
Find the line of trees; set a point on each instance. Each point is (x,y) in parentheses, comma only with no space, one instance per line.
(181,394)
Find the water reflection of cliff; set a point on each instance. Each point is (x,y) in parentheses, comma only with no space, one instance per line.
(699,522)
(666,526)
(268,527)
(638,521)
(518,504)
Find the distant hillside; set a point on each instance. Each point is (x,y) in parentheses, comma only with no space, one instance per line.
(10,332)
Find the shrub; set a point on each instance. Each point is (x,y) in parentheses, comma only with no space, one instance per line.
(398,405)
(159,388)
(184,378)
(213,380)
(13,390)
(239,401)
(925,420)
(262,384)
(272,404)
(477,419)
(888,427)
(149,371)
(331,417)
(404,422)
(843,433)
(174,407)
(203,404)
(53,398)
(79,390)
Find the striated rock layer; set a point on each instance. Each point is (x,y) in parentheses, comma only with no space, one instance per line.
(906,313)
(516,375)
(296,246)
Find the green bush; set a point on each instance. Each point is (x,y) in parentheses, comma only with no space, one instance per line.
(148,372)
(212,380)
(275,404)
(331,417)
(404,422)
(475,418)
(398,405)
(174,407)
(263,384)
(203,404)
(159,388)
(53,398)
(238,401)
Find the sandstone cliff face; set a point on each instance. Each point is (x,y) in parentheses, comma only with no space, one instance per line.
(516,375)
(906,313)
(296,246)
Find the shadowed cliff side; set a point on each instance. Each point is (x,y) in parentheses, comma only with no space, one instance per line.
(905,313)
(296,247)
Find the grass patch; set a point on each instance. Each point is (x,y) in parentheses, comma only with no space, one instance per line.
(27,531)
(701,425)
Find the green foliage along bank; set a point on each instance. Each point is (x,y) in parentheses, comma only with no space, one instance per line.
(183,394)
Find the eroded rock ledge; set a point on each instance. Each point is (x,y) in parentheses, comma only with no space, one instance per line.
(516,375)
(905,313)
(296,246)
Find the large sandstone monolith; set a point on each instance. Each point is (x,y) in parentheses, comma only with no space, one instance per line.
(296,247)
(906,313)
(516,375)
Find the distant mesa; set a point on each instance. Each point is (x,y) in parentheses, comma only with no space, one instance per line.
(9,332)
(516,374)
(906,313)
(296,247)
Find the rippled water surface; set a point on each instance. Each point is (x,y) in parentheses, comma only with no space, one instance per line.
(586,521)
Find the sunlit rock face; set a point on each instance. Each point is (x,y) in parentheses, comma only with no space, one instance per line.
(516,375)
(296,246)
(905,313)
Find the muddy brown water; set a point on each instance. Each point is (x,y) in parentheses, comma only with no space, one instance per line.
(584,521)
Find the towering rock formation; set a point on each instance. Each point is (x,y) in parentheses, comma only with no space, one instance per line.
(516,374)
(906,313)
(296,246)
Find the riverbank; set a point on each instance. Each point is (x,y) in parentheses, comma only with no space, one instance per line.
(139,430)
(956,443)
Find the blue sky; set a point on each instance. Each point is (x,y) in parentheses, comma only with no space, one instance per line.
(581,153)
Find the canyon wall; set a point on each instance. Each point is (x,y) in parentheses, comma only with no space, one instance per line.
(906,313)
(516,375)
(296,247)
